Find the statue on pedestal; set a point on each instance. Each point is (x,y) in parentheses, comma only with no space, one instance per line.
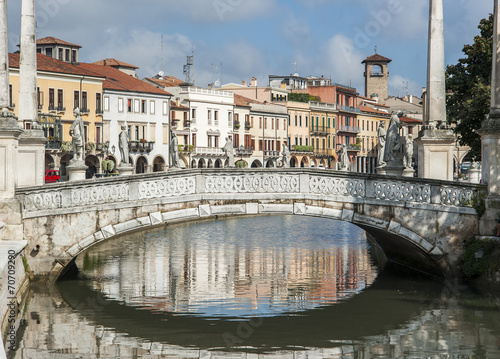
(77,131)
(229,150)
(286,157)
(393,140)
(174,151)
(344,158)
(123,146)
(381,134)
(407,159)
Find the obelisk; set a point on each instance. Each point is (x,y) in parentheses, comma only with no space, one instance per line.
(32,141)
(28,103)
(436,139)
(490,139)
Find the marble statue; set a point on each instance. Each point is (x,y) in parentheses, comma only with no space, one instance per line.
(344,158)
(77,131)
(407,159)
(381,134)
(229,150)
(393,140)
(123,145)
(286,157)
(174,151)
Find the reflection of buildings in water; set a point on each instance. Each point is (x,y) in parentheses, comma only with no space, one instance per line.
(182,275)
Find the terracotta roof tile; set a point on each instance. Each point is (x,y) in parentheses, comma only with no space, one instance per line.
(49,64)
(406,119)
(50,40)
(120,81)
(174,106)
(166,81)
(243,101)
(114,63)
(372,110)
(375,58)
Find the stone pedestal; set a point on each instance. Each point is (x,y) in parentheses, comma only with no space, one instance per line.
(393,170)
(76,170)
(408,172)
(125,169)
(380,171)
(9,142)
(31,157)
(435,153)
(474,172)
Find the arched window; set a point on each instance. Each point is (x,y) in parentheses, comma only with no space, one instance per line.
(377,70)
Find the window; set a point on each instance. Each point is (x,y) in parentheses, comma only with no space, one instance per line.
(152,108)
(98,103)
(300,120)
(106,103)
(129,105)
(265,123)
(85,107)
(60,100)
(216,118)
(165,108)
(209,116)
(307,124)
(193,114)
(295,120)
(120,105)
(67,55)
(137,106)
(73,55)
(51,100)
(260,122)
(230,119)
(98,134)
(61,54)
(76,99)
(143,106)
(48,52)
(277,123)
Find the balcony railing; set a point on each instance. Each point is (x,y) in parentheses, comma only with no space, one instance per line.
(236,124)
(187,123)
(140,146)
(53,144)
(349,129)
(350,147)
(248,125)
(323,152)
(209,151)
(321,130)
(243,151)
(98,111)
(352,109)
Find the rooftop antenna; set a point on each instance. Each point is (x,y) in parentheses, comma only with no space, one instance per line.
(294,63)
(188,68)
(161,61)
(375,48)
(405,88)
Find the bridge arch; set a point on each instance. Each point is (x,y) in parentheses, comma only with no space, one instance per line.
(416,223)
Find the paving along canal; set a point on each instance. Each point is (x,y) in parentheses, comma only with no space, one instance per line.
(253,287)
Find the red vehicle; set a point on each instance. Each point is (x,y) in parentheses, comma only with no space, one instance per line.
(52,176)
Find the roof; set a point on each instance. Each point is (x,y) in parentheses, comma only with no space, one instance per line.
(410,120)
(50,40)
(372,110)
(120,81)
(49,64)
(166,81)
(376,58)
(114,63)
(174,106)
(243,101)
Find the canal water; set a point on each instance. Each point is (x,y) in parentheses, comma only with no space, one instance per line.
(252,287)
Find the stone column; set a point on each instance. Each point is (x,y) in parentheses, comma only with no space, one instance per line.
(28,104)
(32,142)
(4,57)
(490,140)
(434,145)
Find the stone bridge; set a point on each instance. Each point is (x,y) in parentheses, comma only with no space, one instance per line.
(421,223)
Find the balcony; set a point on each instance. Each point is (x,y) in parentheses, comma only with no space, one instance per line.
(99,112)
(187,123)
(141,146)
(243,151)
(304,149)
(350,147)
(321,130)
(236,125)
(350,109)
(323,152)
(248,125)
(272,154)
(348,129)
(52,144)
(215,151)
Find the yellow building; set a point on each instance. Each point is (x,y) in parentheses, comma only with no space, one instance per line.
(369,120)
(322,133)
(301,148)
(62,87)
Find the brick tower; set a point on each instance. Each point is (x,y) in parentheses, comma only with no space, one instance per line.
(376,76)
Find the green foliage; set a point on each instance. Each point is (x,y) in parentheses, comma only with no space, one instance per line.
(303,148)
(66,146)
(303,97)
(468,84)
(241,164)
(481,258)
(479,204)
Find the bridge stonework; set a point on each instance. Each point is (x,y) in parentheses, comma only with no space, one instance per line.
(410,219)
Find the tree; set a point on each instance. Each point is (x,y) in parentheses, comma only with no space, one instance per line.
(468,87)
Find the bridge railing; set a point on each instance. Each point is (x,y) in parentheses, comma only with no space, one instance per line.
(279,183)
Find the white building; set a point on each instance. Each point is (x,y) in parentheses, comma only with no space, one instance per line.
(144,110)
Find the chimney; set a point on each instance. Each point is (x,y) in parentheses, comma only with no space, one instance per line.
(243,83)
(253,83)
(177,101)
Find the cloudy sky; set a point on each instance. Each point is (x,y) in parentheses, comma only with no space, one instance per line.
(258,37)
